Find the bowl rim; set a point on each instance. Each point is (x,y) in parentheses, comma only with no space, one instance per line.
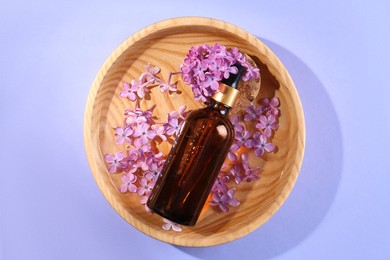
(278,68)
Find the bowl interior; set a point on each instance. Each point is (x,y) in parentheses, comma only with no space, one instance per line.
(165,44)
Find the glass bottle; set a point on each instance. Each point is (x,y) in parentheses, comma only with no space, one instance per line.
(196,157)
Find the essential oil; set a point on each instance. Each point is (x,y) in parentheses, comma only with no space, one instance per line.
(196,158)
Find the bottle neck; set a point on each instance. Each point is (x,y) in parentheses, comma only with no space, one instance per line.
(223,109)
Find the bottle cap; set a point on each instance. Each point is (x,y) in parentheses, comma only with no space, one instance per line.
(227,93)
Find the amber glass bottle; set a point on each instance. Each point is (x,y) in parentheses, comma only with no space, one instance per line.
(196,158)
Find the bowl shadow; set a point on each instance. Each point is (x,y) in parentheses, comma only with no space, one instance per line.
(317,183)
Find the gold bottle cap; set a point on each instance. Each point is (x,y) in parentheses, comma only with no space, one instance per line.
(226,95)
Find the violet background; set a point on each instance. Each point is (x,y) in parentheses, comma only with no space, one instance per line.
(337,52)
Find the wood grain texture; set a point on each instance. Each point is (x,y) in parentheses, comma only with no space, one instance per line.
(165,44)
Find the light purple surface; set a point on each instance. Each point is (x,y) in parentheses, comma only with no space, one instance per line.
(337,52)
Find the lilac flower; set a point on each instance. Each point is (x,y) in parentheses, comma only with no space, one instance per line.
(215,65)
(232,201)
(154,158)
(232,156)
(171,225)
(220,184)
(236,54)
(166,87)
(238,127)
(204,66)
(268,124)
(145,187)
(173,126)
(210,84)
(251,174)
(159,131)
(237,171)
(251,73)
(142,90)
(141,147)
(150,74)
(241,137)
(143,201)
(154,171)
(181,113)
(230,70)
(245,161)
(133,154)
(137,115)
(143,133)
(128,181)
(123,134)
(223,200)
(198,69)
(253,112)
(151,163)
(271,106)
(129,91)
(115,161)
(260,145)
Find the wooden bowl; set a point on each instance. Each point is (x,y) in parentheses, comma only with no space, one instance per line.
(165,44)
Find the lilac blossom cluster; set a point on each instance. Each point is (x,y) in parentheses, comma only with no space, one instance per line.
(204,66)
(138,88)
(237,167)
(142,162)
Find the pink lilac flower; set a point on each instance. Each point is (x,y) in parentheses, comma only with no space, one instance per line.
(238,127)
(142,90)
(143,201)
(133,154)
(251,72)
(154,170)
(137,115)
(114,161)
(232,156)
(129,91)
(245,160)
(229,70)
(210,84)
(270,106)
(128,181)
(150,73)
(223,200)
(237,171)
(159,131)
(220,201)
(141,147)
(123,135)
(253,112)
(171,225)
(220,184)
(175,121)
(181,113)
(166,87)
(145,187)
(259,144)
(251,174)
(241,137)
(236,54)
(232,201)
(154,158)
(204,66)
(143,132)
(268,124)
